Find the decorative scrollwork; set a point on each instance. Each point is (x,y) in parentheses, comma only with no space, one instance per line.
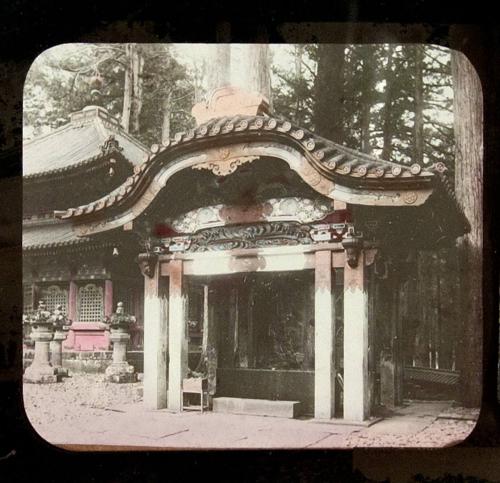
(259,235)
(225,162)
(410,197)
(303,210)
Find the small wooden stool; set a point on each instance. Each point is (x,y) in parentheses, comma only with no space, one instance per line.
(195,385)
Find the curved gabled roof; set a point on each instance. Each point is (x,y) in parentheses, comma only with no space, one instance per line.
(368,177)
(80,142)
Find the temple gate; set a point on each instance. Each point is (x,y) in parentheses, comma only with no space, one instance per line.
(231,214)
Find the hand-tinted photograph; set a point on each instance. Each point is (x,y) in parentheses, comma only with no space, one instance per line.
(252,246)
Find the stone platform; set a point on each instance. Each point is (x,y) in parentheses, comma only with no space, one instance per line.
(257,407)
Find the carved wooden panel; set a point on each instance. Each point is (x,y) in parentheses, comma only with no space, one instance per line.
(291,209)
(250,236)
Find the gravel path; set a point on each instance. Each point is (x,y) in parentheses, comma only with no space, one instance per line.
(439,433)
(79,395)
(86,410)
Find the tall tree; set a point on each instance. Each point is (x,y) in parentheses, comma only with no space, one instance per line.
(219,67)
(468,124)
(329,92)
(293,95)
(437,97)
(360,81)
(367,98)
(137,99)
(169,93)
(418,155)
(298,55)
(136,84)
(132,90)
(256,70)
(167,114)
(128,86)
(389,113)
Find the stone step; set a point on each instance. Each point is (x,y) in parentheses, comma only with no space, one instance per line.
(257,407)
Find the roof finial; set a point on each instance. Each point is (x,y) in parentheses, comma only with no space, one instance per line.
(230,101)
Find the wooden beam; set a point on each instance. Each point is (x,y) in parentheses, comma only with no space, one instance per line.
(72,301)
(211,343)
(324,336)
(155,343)
(228,264)
(177,346)
(108,298)
(356,394)
(204,341)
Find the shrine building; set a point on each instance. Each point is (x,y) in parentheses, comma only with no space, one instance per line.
(77,163)
(251,251)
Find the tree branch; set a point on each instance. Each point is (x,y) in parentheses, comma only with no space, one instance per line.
(184,96)
(436,60)
(435,121)
(308,68)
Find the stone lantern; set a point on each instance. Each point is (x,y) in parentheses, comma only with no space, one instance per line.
(42,332)
(61,327)
(120,370)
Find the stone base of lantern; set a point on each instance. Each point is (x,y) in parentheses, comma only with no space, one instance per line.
(120,372)
(56,353)
(41,374)
(62,371)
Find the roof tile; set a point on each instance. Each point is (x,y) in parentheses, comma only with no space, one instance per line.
(79,140)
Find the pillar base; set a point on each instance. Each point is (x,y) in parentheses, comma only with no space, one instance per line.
(121,372)
(41,374)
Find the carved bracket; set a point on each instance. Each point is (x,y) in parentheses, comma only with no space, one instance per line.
(352,243)
(226,164)
(147,263)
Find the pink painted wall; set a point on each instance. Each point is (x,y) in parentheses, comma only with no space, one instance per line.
(87,336)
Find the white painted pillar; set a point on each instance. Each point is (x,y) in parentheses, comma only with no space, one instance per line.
(356,394)
(204,343)
(177,345)
(324,334)
(155,343)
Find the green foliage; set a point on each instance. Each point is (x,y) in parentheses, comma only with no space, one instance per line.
(376,103)
(66,78)
(163,76)
(293,96)
(378,98)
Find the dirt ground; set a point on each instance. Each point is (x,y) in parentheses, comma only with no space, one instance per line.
(85,410)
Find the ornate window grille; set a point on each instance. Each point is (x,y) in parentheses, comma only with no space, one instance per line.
(27,298)
(90,303)
(54,295)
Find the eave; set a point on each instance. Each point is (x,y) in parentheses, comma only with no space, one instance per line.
(88,164)
(331,163)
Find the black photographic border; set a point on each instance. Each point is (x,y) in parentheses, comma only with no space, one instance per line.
(29,28)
